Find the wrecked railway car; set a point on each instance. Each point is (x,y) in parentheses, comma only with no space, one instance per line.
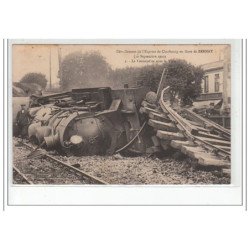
(99,121)
(89,121)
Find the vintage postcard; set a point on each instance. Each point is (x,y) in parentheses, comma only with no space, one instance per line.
(121,113)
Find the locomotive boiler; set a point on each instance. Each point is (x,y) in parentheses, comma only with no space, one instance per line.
(89,121)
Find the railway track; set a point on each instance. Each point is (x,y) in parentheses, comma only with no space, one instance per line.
(43,168)
(20,178)
(206,142)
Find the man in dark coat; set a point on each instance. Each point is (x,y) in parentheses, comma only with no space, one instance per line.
(22,121)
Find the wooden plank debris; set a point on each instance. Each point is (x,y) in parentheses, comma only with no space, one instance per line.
(215,142)
(178,144)
(149,105)
(226,148)
(164,135)
(193,152)
(162,125)
(207,135)
(207,161)
(185,149)
(148,110)
(158,117)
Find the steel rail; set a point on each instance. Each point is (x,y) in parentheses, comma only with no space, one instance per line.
(93,179)
(210,123)
(181,122)
(23,176)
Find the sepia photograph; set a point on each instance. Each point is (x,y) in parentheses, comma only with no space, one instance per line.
(124,125)
(121,114)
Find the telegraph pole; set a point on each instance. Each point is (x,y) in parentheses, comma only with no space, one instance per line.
(50,68)
(59,62)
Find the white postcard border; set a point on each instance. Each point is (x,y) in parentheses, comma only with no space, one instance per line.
(132,194)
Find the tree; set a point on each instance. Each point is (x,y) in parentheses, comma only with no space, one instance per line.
(138,76)
(128,75)
(184,80)
(83,70)
(38,78)
(150,76)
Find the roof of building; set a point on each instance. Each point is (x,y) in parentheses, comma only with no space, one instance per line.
(212,65)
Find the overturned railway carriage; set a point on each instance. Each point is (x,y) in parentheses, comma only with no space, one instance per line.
(89,121)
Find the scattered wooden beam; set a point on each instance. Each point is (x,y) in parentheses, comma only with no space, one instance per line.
(207,161)
(178,144)
(164,135)
(185,149)
(226,148)
(193,152)
(207,135)
(148,110)
(200,129)
(162,125)
(215,142)
(158,117)
(147,104)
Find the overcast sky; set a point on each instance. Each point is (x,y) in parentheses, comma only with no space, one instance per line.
(35,58)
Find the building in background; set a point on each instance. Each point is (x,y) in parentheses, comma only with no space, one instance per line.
(216,85)
(215,99)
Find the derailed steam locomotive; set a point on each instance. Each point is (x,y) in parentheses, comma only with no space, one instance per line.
(90,121)
(99,121)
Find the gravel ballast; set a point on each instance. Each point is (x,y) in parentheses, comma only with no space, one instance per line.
(141,170)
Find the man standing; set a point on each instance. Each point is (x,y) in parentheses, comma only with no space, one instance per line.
(22,121)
